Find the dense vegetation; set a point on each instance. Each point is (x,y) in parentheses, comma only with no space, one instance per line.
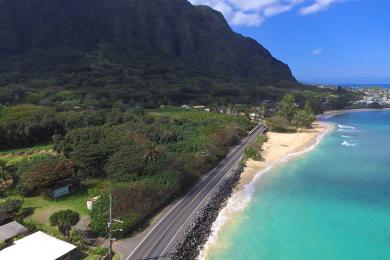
(135,52)
(149,157)
(36,175)
(151,160)
(26,125)
(254,149)
(289,116)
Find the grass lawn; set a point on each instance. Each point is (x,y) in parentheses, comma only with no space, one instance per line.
(44,207)
(36,148)
(14,159)
(16,155)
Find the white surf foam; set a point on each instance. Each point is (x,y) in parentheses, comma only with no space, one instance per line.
(346,127)
(347,136)
(347,144)
(241,199)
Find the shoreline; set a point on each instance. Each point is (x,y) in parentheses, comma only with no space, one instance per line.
(283,146)
(280,148)
(328,114)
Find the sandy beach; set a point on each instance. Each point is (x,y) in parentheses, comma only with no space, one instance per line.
(281,145)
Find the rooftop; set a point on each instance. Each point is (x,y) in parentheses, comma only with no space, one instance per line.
(11,230)
(38,246)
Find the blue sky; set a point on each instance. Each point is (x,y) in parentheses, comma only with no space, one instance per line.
(323,41)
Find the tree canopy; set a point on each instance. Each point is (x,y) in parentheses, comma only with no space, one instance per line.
(64,220)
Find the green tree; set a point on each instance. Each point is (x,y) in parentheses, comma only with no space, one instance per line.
(126,164)
(287,107)
(303,118)
(64,220)
(42,173)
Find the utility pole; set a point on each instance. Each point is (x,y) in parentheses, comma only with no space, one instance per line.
(110,231)
(110,238)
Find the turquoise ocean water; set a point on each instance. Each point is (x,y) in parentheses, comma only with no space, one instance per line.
(331,203)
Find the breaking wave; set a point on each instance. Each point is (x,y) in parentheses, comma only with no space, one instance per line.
(347,144)
(346,127)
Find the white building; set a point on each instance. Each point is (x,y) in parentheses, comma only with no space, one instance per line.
(38,246)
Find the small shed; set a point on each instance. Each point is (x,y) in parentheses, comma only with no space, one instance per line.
(64,187)
(91,202)
(11,230)
(38,246)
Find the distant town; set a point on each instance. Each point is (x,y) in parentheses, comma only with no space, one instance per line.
(374,95)
(369,96)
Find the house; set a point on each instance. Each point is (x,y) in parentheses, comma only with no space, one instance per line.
(39,246)
(63,187)
(11,230)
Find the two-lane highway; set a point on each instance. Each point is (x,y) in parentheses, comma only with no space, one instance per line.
(161,238)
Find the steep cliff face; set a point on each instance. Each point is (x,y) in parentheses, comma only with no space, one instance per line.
(133,40)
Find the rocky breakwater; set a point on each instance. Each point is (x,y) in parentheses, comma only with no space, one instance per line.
(197,233)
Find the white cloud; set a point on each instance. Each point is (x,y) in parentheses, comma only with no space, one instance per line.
(317,6)
(277,9)
(246,5)
(254,12)
(317,52)
(249,19)
(227,10)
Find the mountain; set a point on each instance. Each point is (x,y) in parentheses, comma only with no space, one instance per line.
(142,51)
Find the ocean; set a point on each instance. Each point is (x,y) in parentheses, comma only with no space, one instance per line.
(330,203)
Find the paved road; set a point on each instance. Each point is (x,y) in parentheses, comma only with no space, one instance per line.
(161,238)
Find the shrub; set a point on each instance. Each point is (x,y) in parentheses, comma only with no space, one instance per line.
(77,237)
(64,220)
(10,205)
(3,244)
(261,139)
(102,251)
(23,213)
(131,203)
(252,153)
(44,173)
(31,227)
(100,215)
